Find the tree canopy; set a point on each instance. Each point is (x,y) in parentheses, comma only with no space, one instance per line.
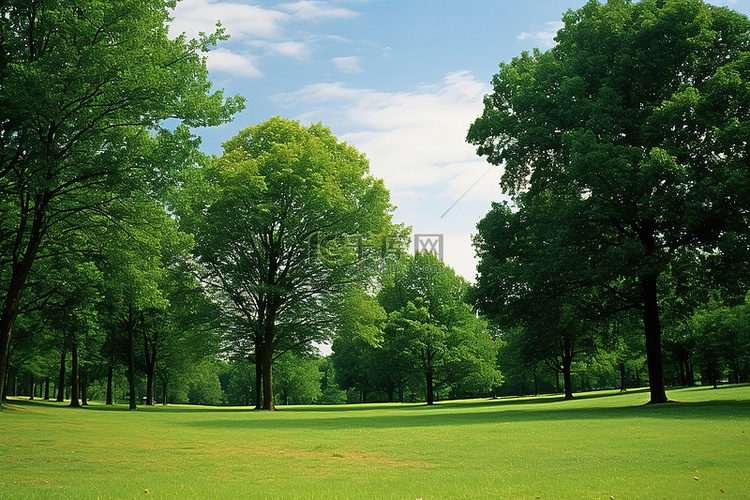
(286,221)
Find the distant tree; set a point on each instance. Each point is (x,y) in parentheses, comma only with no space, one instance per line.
(285,221)
(533,283)
(359,335)
(186,332)
(722,342)
(241,386)
(204,386)
(85,87)
(640,112)
(297,379)
(430,322)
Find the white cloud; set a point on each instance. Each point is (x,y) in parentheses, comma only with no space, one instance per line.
(312,10)
(544,37)
(240,20)
(348,64)
(411,138)
(296,50)
(231,62)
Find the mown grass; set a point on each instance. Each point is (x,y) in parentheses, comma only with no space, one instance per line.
(601,445)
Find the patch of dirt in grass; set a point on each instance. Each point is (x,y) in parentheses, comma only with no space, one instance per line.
(346,456)
(359,457)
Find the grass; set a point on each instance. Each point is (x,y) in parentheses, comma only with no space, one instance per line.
(601,445)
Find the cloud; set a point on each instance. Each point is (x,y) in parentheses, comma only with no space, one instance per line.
(224,60)
(240,20)
(544,37)
(411,138)
(348,64)
(293,49)
(311,10)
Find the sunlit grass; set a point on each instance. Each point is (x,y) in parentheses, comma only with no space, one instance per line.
(600,445)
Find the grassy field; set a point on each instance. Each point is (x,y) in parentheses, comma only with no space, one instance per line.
(601,445)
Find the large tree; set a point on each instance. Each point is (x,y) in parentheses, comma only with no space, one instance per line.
(85,86)
(285,223)
(642,109)
(430,322)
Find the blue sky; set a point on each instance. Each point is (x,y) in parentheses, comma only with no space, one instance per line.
(400,80)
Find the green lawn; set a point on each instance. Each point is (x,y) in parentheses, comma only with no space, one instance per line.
(601,445)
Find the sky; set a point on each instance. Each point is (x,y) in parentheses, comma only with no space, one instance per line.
(400,80)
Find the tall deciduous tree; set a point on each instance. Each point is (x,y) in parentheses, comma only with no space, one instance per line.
(85,85)
(284,223)
(641,108)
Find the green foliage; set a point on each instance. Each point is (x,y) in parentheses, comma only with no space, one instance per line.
(241,386)
(86,87)
(297,380)
(432,330)
(204,385)
(274,220)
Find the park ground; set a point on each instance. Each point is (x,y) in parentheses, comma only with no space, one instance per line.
(600,445)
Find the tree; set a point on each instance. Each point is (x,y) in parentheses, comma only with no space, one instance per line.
(359,335)
(641,110)
(285,222)
(533,284)
(430,322)
(297,379)
(85,86)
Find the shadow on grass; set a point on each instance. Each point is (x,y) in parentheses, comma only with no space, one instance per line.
(494,412)
(723,404)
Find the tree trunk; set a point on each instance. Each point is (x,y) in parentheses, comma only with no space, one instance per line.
(536,382)
(652,329)
(46,388)
(19,273)
(623,387)
(149,351)
(567,360)
(683,371)
(74,402)
(61,377)
(430,390)
(258,381)
(131,360)
(33,388)
(268,403)
(164,391)
(83,383)
(110,374)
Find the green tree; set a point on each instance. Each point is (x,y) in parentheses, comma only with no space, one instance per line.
(285,221)
(640,109)
(85,86)
(430,322)
(534,285)
(358,338)
(204,386)
(186,332)
(297,379)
